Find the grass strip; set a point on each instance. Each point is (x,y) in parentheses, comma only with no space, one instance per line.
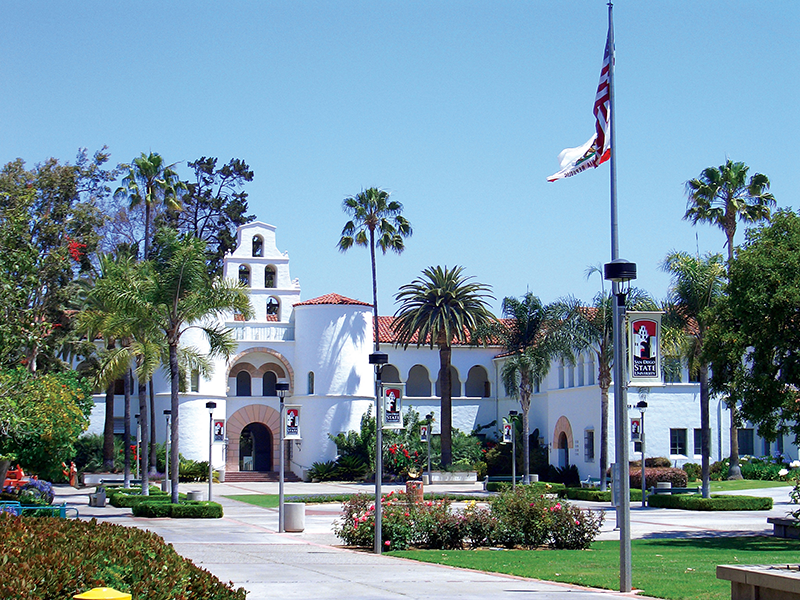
(271,500)
(678,569)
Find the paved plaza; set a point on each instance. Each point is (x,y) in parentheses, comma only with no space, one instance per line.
(244,546)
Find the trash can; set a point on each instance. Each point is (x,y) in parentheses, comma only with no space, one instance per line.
(414,491)
(664,485)
(166,485)
(294,519)
(194,496)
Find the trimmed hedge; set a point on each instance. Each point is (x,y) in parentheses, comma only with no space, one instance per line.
(677,477)
(594,495)
(716,502)
(539,487)
(184,510)
(53,559)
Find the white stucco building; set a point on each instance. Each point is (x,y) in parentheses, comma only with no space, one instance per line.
(321,347)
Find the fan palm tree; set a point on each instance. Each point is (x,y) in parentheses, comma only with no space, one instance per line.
(184,296)
(372,212)
(442,307)
(724,196)
(697,283)
(590,329)
(531,337)
(150,182)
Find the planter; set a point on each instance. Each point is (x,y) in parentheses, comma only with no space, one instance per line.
(414,491)
(454,477)
(766,582)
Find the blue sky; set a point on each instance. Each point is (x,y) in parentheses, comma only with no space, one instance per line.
(458,108)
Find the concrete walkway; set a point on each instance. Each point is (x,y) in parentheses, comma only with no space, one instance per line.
(245,548)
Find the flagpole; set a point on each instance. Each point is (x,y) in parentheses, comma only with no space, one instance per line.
(620,403)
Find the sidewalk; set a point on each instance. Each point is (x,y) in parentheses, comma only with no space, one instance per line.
(245,548)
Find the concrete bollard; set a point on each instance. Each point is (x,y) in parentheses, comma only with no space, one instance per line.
(295,516)
(103,593)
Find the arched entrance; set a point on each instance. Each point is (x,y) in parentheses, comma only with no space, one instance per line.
(563,451)
(253,439)
(255,448)
(563,440)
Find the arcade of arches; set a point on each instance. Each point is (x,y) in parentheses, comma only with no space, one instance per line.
(418,384)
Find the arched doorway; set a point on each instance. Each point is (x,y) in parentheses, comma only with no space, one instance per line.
(255,448)
(563,451)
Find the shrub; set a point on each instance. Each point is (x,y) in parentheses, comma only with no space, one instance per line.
(356,526)
(595,495)
(436,527)
(351,467)
(716,502)
(540,487)
(37,492)
(184,510)
(322,471)
(693,471)
(677,477)
(573,528)
(718,470)
(523,517)
(478,525)
(92,554)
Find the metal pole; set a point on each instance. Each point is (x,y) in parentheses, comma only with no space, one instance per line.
(210,406)
(166,448)
(644,480)
(513,454)
(281,474)
(378,463)
(138,444)
(430,433)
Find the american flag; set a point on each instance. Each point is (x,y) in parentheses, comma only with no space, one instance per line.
(597,150)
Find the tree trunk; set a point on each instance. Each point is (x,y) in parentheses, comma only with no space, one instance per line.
(153,458)
(174,456)
(126,476)
(108,431)
(705,430)
(4,466)
(445,390)
(144,454)
(734,470)
(604,379)
(525,404)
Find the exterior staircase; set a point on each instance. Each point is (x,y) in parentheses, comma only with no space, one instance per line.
(258,476)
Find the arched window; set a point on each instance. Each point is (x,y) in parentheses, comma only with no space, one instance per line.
(418,384)
(244,275)
(561,375)
(269,276)
(258,246)
(273,307)
(478,383)
(592,371)
(581,371)
(311,383)
(243,387)
(269,379)
(390,374)
(455,384)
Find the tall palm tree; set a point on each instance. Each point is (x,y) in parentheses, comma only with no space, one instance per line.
(697,283)
(531,336)
(442,307)
(183,296)
(371,211)
(724,196)
(590,329)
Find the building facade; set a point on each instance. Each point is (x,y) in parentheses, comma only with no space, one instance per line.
(321,348)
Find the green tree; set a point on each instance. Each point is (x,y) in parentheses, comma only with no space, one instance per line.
(697,284)
(723,196)
(150,182)
(442,307)
(531,335)
(753,341)
(214,205)
(590,328)
(372,212)
(183,295)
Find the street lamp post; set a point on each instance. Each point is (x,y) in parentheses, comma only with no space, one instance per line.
(512,416)
(642,406)
(210,406)
(429,419)
(282,389)
(138,443)
(165,487)
(378,359)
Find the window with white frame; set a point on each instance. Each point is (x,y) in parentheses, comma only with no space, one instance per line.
(588,445)
(677,441)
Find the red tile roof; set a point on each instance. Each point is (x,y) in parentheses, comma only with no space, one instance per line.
(332,299)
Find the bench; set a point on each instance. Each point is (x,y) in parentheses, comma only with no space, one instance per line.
(674,490)
(53,510)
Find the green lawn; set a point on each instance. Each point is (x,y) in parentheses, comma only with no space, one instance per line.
(671,568)
(744,484)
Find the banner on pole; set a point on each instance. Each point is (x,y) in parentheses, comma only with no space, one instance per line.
(636,429)
(423,434)
(219,430)
(507,432)
(644,348)
(291,424)
(392,395)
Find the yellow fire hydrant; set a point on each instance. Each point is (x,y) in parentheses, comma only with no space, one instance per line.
(103,593)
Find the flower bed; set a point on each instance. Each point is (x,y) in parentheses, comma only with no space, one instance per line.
(523,517)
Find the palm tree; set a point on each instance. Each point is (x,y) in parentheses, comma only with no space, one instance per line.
(371,211)
(590,329)
(441,307)
(150,182)
(183,296)
(697,283)
(530,335)
(723,196)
